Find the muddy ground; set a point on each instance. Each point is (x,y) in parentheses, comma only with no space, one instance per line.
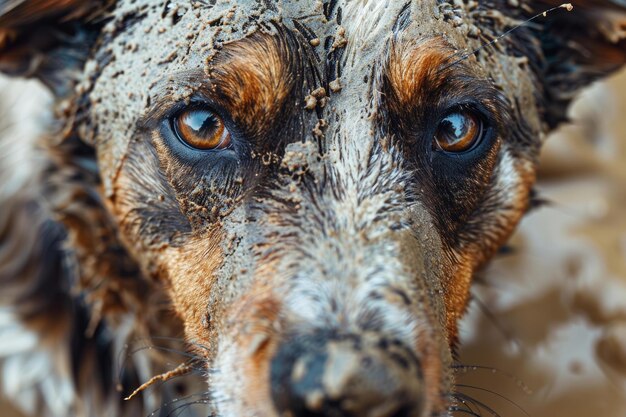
(547,332)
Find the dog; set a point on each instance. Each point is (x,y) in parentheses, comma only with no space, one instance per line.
(287,199)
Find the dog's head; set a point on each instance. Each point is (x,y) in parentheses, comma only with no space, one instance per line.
(316,182)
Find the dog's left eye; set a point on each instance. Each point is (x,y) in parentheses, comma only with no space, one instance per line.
(458,131)
(201,128)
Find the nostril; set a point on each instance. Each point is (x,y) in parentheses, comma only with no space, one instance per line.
(328,375)
(296,378)
(406,411)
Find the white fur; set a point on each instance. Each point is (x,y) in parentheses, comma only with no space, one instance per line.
(33,372)
(509,178)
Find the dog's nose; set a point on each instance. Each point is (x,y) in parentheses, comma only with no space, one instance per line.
(345,376)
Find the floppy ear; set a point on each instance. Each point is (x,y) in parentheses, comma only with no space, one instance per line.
(48,39)
(576,48)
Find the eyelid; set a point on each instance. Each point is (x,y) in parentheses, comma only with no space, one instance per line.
(477,107)
(165,109)
(163,101)
(482,96)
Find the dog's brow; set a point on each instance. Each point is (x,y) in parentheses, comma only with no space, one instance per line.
(420,73)
(171,89)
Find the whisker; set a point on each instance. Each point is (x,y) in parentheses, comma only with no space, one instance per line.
(177,339)
(463,410)
(159,385)
(176,400)
(179,409)
(166,349)
(518,382)
(464,403)
(496,394)
(469,400)
(122,366)
(494,320)
(478,403)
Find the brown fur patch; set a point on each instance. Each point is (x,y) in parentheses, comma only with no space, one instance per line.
(190,272)
(253,79)
(415,68)
(432,367)
(456,295)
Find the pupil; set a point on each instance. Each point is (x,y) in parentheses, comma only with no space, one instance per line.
(455,126)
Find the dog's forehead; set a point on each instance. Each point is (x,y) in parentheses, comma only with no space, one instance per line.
(148,43)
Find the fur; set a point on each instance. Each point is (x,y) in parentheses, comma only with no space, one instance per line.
(330,216)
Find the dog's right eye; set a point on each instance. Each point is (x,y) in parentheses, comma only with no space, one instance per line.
(458,131)
(201,128)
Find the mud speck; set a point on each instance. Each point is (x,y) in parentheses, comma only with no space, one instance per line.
(340,38)
(297,157)
(317,97)
(320,126)
(319,92)
(310,102)
(335,85)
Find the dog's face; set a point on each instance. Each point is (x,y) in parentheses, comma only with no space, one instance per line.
(317,183)
(321,243)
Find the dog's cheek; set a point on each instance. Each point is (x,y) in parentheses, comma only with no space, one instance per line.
(456,290)
(190,273)
(486,230)
(153,230)
(504,207)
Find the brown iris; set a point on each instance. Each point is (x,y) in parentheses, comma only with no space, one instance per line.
(202,129)
(458,132)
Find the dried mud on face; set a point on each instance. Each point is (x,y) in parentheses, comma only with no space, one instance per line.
(558,332)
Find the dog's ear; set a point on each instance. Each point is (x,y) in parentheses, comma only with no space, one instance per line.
(48,39)
(575,47)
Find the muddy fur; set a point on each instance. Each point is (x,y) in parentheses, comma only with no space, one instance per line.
(329,217)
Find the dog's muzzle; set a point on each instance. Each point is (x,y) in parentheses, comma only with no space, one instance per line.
(331,375)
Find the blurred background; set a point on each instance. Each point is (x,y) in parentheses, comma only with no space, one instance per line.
(548,321)
(545,334)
